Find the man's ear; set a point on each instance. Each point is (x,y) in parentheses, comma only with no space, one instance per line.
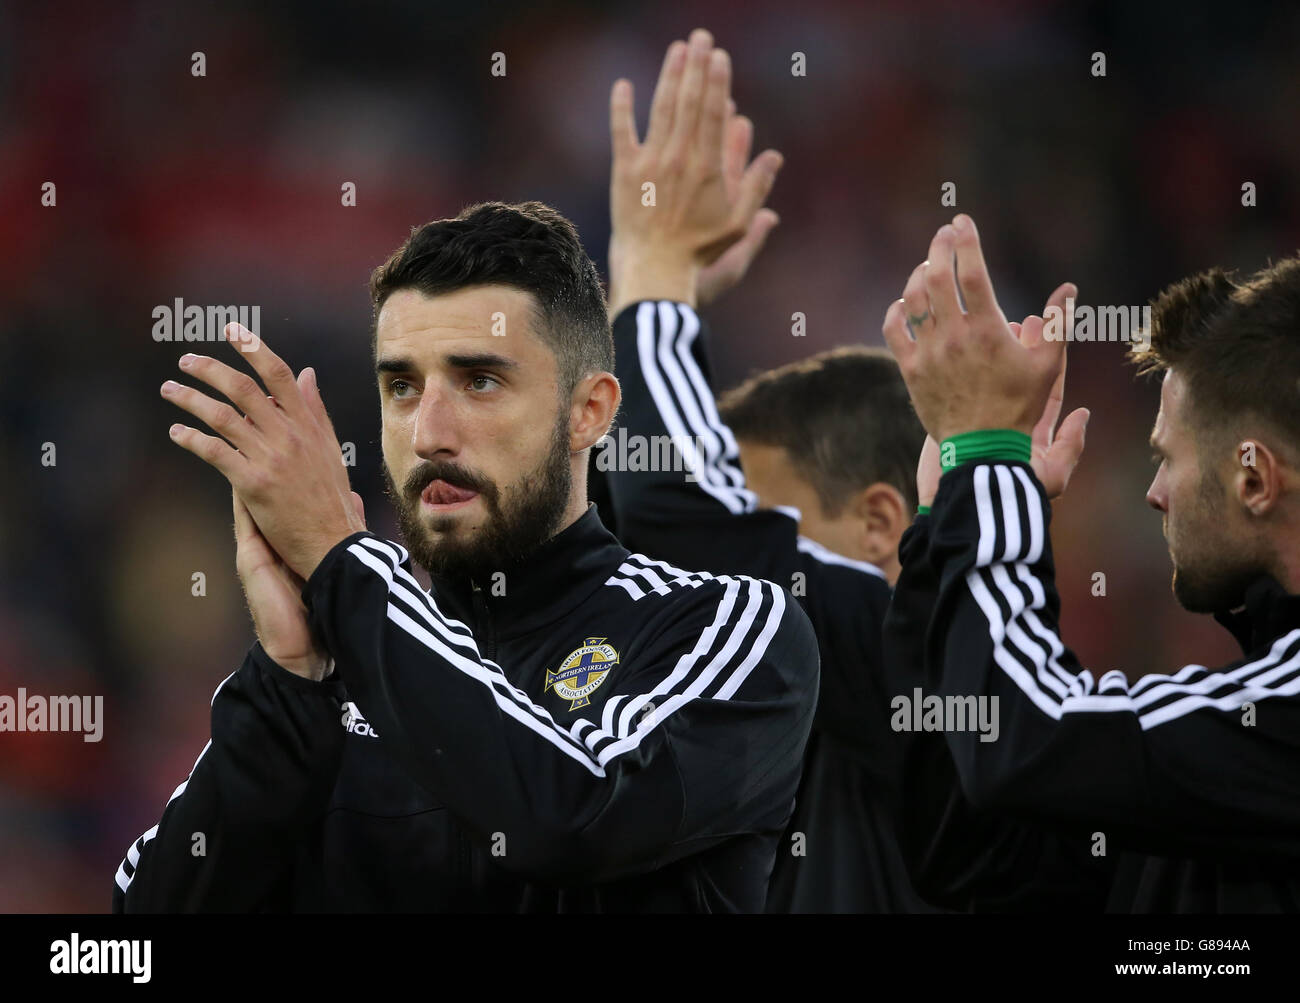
(1257,481)
(593,406)
(881,515)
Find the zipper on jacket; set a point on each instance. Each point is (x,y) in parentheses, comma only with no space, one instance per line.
(487,641)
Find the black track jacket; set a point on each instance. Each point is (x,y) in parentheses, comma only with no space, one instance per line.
(840,853)
(588,731)
(1176,793)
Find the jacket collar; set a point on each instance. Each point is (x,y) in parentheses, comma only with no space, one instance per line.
(545,586)
(1268,612)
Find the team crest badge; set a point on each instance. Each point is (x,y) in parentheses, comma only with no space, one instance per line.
(582,672)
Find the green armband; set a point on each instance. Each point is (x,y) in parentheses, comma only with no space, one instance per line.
(988,444)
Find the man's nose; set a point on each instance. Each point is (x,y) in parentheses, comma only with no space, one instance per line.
(437,426)
(1156,497)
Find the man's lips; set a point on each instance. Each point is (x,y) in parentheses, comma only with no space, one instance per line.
(443,496)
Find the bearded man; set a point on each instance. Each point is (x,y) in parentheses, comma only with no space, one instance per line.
(557,725)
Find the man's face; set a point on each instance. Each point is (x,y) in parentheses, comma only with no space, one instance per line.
(770,474)
(1215,557)
(862,529)
(475,439)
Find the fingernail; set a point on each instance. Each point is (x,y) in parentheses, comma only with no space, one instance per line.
(188,360)
(175,430)
(170,387)
(961,221)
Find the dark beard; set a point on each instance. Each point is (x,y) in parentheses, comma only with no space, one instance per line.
(1214,579)
(535,505)
(1209,587)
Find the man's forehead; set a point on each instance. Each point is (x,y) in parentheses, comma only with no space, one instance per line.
(1171,395)
(500,313)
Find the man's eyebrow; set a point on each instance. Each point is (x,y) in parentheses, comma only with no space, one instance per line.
(394,366)
(472,360)
(481,360)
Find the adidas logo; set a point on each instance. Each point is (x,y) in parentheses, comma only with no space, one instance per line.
(355,723)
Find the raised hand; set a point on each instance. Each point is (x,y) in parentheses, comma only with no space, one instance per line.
(279,453)
(273,593)
(1055,452)
(706,196)
(967,370)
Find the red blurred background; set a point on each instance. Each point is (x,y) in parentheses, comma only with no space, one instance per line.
(226,189)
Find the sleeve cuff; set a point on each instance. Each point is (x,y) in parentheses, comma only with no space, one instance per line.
(628,314)
(284,677)
(986,444)
(313,584)
(622,313)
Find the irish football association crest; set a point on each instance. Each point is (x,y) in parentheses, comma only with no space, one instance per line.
(582,672)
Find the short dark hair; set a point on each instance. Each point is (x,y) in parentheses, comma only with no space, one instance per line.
(529,246)
(843,416)
(1236,343)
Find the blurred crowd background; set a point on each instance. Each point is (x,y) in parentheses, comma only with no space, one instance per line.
(225,189)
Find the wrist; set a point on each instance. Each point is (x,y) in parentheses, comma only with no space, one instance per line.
(652,275)
(314,551)
(985,444)
(314,666)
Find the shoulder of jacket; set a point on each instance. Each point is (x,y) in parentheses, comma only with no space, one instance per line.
(838,582)
(718,609)
(645,578)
